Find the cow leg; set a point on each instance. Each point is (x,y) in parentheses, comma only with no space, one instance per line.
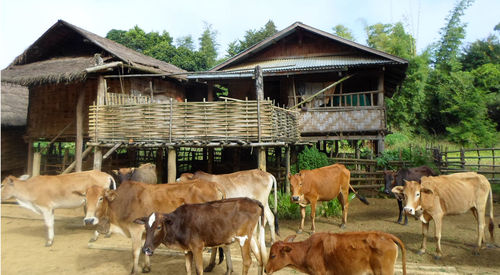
(425,230)
(480,229)
(94,237)
(229,262)
(303,217)
(136,236)
(313,215)
(48,217)
(247,258)
(270,219)
(256,251)
(211,264)
(437,231)
(400,205)
(188,256)
(343,198)
(198,259)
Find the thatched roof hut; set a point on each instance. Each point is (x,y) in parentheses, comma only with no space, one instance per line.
(14,105)
(65,52)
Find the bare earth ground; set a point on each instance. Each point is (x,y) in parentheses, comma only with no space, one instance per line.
(23,238)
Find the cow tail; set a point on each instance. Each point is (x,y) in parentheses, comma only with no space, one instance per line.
(491,225)
(262,236)
(276,225)
(112,183)
(361,198)
(403,251)
(221,255)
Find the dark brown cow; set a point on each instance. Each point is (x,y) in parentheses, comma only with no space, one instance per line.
(341,253)
(115,211)
(192,227)
(436,197)
(322,184)
(145,173)
(398,178)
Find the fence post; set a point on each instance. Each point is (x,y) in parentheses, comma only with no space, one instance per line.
(462,158)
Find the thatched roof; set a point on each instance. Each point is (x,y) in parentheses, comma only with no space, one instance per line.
(64,51)
(14,104)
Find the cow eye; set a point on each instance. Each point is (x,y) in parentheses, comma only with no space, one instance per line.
(158,227)
(272,256)
(100,199)
(417,195)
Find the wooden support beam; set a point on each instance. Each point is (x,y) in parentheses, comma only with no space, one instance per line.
(172,159)
(210,160)
(30,157)
(259,90)
(79,130)
(110,151)
(262,158)
(97,158)
(37,158)
(381,89)
(287,163)
(73,164)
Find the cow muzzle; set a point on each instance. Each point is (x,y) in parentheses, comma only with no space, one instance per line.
(409,210)
(148,251)
(90,221)
(295,198)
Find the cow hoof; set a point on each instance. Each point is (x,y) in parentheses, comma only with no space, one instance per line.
(49,243)
(146,269)
(437,257)
(342,226)
(299,231)
(209,268)
(92,240)
(421,252)
(108,235)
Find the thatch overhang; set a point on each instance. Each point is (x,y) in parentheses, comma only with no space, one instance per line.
(64,52)
(14,105)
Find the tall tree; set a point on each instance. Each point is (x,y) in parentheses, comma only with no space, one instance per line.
(208,46)
(391,38)
(251,38)
(481,52)
(343,31)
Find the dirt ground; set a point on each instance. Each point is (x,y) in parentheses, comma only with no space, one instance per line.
(23,238)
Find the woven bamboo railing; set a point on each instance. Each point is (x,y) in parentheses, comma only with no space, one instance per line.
(122,120)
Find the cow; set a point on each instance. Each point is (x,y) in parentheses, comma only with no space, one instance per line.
(397,178)
(43,194)
(322,184)
(369,252)
(145,173)
(254,184)
(435,197)
(191,227)
(115,211)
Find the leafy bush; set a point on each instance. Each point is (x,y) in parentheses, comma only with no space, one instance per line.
(331,208)
(395,139)
(416,156)
(311,158)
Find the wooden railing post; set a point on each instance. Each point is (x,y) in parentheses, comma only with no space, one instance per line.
(462,158)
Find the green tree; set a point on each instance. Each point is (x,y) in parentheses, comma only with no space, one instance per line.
(391,38)
(251,38)
(343,31)
(481,52)
(208,46)
(186,42)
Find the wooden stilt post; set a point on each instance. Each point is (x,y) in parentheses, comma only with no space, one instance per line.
(210,160)
(259,90)
(287,161)
(172,166)
(101,95)
(29,168)
(79,131)
(97,158)
(37,158)
(262,158)
(159,165)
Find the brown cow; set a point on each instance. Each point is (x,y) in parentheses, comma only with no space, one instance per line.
(115,211)
(254,184)
(436,197)
(43,194)
(322,184)
(145,173)
(341,253)
(191,227)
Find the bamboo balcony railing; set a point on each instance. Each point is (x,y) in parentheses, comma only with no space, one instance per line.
(191,123)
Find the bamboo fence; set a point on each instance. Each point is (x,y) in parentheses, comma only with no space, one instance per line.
(132,119)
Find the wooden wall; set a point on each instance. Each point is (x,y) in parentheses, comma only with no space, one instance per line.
(162,89)
(14,151)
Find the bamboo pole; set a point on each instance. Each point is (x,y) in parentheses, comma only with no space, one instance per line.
(172,158)
(73,164)
(79,130)
(323,90)
(37,158)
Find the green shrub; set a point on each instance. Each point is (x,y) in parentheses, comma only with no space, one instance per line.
(311,158)
(415,156)
(396,139)
(331,208)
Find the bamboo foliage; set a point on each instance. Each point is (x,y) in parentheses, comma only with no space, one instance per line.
(136,119)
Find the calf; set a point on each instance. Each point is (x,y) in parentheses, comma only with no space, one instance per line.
(322,184)
(191,227)
(436,197)
(115,211)
(43,194)
(145,173)
(338,253)
(398,178)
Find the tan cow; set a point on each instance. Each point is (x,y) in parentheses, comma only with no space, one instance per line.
(341,253)
(145,173)
(436,197)
(43,194)
(115,211)
(322,184)
(254,184)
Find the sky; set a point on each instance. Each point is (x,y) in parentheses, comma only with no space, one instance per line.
(22,22)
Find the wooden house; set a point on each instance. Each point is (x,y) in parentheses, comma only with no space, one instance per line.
(337,85)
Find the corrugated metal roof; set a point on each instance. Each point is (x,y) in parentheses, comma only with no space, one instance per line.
(284,65)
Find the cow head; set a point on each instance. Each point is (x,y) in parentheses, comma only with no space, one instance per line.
(8,187)
(185,177)
(279,255)
(97,202)
(155,226)
(390,181)
(124,174)
(416,197)
(296,182)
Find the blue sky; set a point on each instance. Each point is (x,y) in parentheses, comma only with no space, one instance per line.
(23,21)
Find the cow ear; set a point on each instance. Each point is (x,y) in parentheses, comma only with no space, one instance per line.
(142,220)
(426,191)
(285,249)
(398,190)
(290,238)
(9,180)
(115,172)
(110,195)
